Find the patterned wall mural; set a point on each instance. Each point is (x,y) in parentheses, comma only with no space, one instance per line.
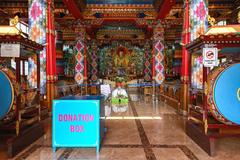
(37,33)
(198,18)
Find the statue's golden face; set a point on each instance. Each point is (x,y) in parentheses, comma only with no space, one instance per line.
(121,53)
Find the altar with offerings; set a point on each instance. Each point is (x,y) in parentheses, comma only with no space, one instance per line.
(122,60)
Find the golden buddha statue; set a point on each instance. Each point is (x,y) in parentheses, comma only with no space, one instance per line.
(121,59)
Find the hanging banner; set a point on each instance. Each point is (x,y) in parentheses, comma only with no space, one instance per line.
(198,18)
(147,63)
(94,63)
(159,57)
(158,60)
(210,57)
(37,33)
(79,68)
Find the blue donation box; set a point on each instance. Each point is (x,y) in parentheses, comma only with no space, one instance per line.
(78,121)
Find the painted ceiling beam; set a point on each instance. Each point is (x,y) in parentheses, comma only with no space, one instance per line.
(165,8)
(73,8)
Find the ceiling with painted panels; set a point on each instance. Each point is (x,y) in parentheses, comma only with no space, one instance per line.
(100,15)
(122,10)
(119,1)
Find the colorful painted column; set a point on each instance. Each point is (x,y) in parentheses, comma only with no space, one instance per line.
(147,63)
(94,63)
(80,52)
(51,53)
(185,61)
(37,32)
(195,24)
(197,15)
(158,57)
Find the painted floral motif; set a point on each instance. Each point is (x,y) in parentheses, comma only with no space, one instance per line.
(79,67)
(36,11)
(198,18)
(79,46)
(159,46)
(160,67)
(79,56)
(79,78)
(32,73)
(201,11)
(35,33)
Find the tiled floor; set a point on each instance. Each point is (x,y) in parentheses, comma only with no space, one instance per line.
(146,131)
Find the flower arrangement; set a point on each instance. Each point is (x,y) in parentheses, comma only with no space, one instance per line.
(119,79)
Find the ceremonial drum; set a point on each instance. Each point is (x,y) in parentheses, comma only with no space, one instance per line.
(224,93)
(6,94)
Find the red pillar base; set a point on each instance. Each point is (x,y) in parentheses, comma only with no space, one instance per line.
(50,94)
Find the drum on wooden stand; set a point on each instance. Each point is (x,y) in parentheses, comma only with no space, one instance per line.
(224,93)
(6,94)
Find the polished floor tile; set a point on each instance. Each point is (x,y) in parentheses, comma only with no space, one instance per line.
(120,131)
(164,154)
(145,130)
(109,154)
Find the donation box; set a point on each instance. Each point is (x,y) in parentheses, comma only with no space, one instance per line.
(78,121)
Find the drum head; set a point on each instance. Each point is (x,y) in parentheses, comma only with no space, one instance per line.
(226,93)
(6,94)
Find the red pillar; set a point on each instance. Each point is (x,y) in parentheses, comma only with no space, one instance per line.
(185,57)
(51,54)
(185,41)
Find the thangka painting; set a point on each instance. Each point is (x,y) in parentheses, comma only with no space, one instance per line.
(198,18)
(37,33)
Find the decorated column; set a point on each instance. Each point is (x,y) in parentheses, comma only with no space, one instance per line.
(37,32)
(147,63)
(80,55)
(195,24)
(158,57)
(94,63)
(185,62)
(51,53)
(196,13)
